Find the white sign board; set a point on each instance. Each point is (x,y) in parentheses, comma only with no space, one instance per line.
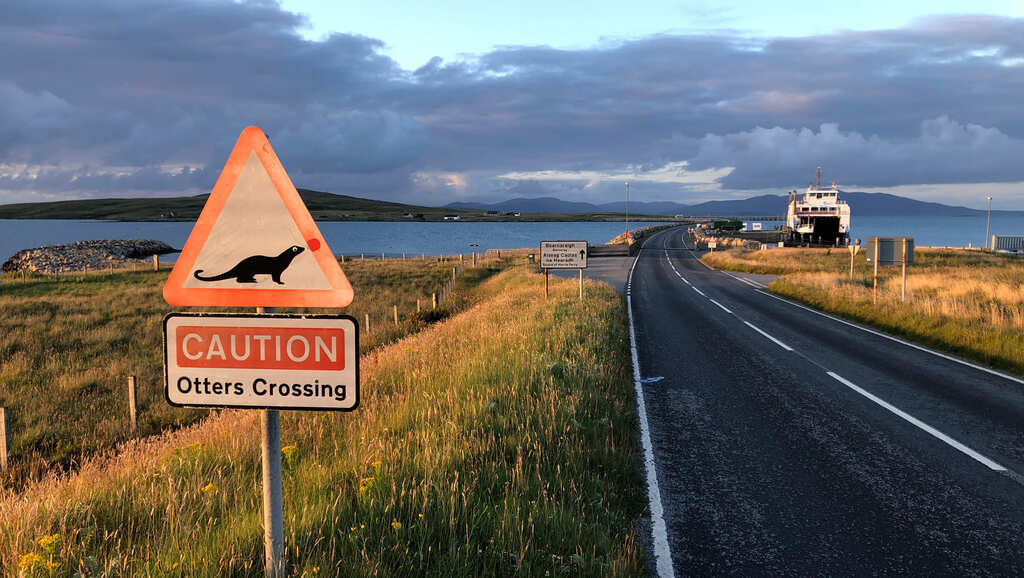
(563,254)
(712,244)
(757,226)
(261,361)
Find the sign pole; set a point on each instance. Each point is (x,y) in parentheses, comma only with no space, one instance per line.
(273,495)
(581,284)
(545,283)
(903,291)
(874,287)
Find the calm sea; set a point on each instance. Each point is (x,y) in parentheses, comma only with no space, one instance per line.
(352,238)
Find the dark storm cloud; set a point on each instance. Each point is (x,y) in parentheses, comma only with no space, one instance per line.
(147,97)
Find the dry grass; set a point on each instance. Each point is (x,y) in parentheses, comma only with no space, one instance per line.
(497,442)
(70,342)
(967,302)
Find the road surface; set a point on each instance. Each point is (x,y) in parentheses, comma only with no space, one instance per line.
(785,442)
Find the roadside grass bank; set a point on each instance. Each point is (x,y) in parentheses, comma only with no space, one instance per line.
(498,442)
(69,343)
(969,303)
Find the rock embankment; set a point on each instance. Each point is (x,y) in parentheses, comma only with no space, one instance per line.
(85,255)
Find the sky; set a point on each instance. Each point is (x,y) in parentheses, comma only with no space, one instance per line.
(437,102)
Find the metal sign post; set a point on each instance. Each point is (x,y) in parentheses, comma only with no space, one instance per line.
(874,286)
(903,291)
(283,262)
(854,249)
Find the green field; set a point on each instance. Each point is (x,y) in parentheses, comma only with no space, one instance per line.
(71,341)
(497,442)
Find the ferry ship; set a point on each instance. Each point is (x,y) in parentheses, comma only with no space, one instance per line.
(818,217)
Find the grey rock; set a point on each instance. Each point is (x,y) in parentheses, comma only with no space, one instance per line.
(85,255)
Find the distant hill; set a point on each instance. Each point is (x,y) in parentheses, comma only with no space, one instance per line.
(862,204)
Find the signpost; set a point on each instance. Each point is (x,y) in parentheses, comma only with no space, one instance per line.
(256,245)
(563,255)
(891,251)
(854,249)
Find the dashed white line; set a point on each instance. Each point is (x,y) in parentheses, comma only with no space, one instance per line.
(898,340)
(934,432)
(723,307)
(777,342)
(659,530)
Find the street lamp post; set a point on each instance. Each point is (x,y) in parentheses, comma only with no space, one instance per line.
(988,225)
(627,214)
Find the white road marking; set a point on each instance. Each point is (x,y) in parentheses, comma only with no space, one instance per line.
(898,340)
(720,305)
(934,432)
(777,342)
(698,291)
(659,531)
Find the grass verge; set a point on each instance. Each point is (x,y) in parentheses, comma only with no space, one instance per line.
(497,442)
(969,303)
(70,342)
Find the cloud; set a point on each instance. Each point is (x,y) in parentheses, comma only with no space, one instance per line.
(108,97)
(944,151)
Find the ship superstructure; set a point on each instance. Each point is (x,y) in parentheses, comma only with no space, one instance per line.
(818,216)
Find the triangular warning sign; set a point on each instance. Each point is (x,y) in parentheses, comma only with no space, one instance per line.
(255,243)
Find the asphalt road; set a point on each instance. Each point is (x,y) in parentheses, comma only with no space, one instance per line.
(788,443)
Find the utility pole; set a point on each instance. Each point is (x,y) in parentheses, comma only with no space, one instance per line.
(988,224)
(627,214)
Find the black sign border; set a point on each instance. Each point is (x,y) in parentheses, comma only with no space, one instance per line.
(167,386)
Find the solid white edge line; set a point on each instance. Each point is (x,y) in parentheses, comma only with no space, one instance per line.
(898,340)
(659,530)
(777,342)
(920,424)
(720,305)
(698,291)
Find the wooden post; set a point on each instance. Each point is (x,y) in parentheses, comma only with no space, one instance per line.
(455,271)
(133,392)
(474,258)
(403,255)
(156,262)
(382,255)
(874,287)
(394,309)
(342,257)
(903,291)
(545,283)
(433,298)
(3,439)
(367,324)
(417,306)
(581,284)
(851,265)
(362,256)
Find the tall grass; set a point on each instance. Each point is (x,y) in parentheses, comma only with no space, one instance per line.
(497,442)
(69,343)
(967,302)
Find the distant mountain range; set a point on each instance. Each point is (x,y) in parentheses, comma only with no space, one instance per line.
(862,204)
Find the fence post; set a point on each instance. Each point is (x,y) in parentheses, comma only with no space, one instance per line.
(342,257)
(367,324)
(3,439)
(382,255)
(394,309)
(474,258)
(156,262)
(433,297)
(417,306)
(132,394)
(455,271)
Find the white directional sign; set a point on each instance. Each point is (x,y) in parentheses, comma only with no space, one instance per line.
(261,361)
(563,254)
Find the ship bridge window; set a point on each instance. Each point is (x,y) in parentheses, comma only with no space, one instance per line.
(817,195)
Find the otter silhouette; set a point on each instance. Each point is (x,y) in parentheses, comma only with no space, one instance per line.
(246,269)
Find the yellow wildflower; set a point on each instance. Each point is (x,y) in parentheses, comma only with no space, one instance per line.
(377,464)
(50,542)
(30,561)
(396,524)
(209,488)
(288,451)
(421,516)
